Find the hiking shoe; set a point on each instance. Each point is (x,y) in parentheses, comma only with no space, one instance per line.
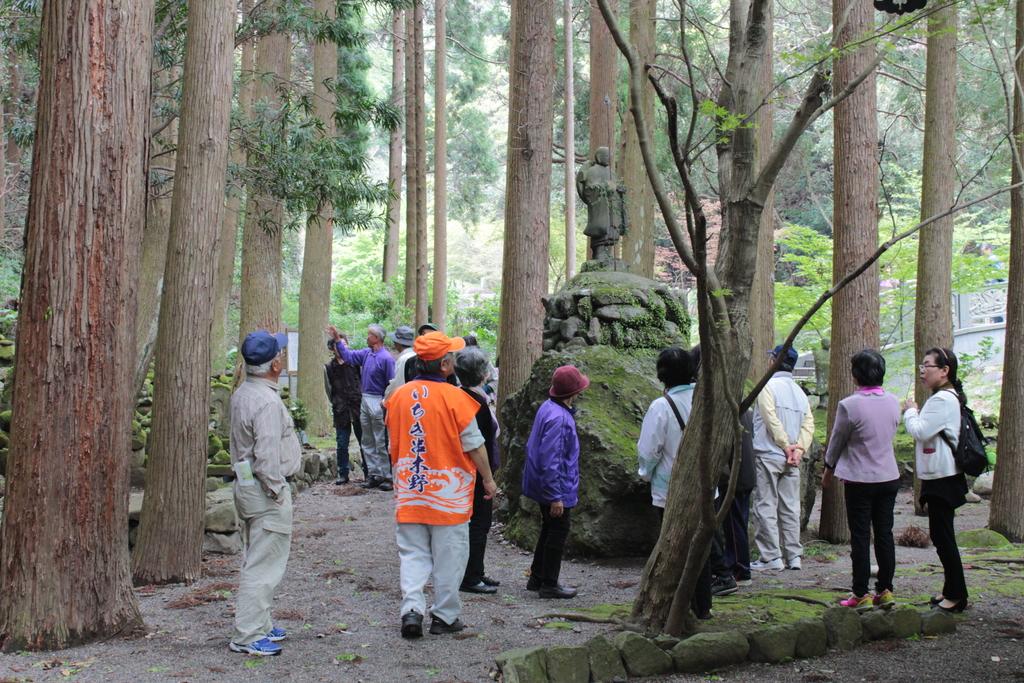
(412,625)
(386,485)
(439,627)
(490,582)
(261,648)
(773,565)
(861,604)
(341,480)
(372,482)
(723,586)
(794,564)
(885,599)
(277,634)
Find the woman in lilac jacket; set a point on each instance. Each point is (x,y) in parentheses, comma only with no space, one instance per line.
(860,453)
(551,477)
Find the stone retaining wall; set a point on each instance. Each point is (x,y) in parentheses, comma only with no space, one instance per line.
(608,658)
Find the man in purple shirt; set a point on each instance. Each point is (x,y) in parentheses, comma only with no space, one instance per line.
(378,367)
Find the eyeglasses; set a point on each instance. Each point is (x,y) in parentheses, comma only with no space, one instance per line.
(923,366)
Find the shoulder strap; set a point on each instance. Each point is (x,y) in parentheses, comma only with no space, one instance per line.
(675,409)
(943,432)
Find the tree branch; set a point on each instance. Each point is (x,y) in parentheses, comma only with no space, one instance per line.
(748,400)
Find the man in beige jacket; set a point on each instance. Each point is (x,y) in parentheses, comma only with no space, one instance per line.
(264,451)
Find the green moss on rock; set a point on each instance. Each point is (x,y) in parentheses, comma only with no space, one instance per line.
(614,517)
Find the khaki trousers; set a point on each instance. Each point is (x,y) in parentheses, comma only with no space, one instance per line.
(441,551)
(267,533)
(777,510)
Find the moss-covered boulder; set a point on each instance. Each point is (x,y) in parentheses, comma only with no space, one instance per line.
(5,420)
(605,661)
(213,444)
(843,627)
(614,517)
(982,538)
(523,665)
(641,656)
(220,410)
(710,651)
(221,457)
(617,309)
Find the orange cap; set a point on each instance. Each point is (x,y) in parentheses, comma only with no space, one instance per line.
(434,345)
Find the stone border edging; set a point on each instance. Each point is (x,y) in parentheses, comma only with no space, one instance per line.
(627,654)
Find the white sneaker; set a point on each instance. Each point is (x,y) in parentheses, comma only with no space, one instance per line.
(794,563)
(759,566)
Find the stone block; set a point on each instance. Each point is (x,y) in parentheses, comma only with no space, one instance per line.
(812,638)
(222,544)
(213,483)
(709,651)
(569,664)
(772,644)
(311,464)
(593,331)
(981,538)
(877,625)
(135,506)
(666,642)
(936,622)
(221,516)
(842,625)
(983,484)
(622,313)
(605,661)
(523,665)
(906,622)
(641,656)
(569,327)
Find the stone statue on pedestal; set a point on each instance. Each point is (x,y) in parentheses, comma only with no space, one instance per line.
(605,197)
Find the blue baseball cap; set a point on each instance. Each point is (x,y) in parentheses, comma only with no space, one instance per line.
(261,346)
(791,355)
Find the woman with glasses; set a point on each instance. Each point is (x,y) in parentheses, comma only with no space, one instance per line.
(860,453)
(936,431)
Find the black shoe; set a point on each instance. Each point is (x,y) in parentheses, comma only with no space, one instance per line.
(934,601)
(438,627)
(412,625)
(955,609)
(371,483)
(478,587)
(533,584)
(723,586)
(558,592)
(704,616)
(386,485)
(491,582)
(341,480)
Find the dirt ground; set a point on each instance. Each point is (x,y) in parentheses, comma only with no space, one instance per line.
(339,602)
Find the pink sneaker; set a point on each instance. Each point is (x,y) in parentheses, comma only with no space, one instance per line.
(861,604)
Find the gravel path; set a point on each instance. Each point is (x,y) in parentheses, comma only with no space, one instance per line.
(339,602)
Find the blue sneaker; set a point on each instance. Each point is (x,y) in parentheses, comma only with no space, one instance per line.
(277,634)
(261,648)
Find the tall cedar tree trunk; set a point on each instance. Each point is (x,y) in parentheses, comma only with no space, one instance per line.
(12,151)
(158,221)
(170,542)
(524,274)
(933,308)
(570,142)
(220,335)
(412,113)
(422,314)
(64,571)
(638,242)
(855,230)
(1007,513)
(3,174)
(762,294)
(440,312)
(393,240)
(315,288)
(604,72)
(264,215)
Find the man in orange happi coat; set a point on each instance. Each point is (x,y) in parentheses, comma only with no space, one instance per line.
(437,452)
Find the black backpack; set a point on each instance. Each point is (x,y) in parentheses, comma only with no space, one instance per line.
(969,454)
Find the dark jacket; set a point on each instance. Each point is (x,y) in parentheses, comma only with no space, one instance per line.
(485,421)
(747,478)
(341,382)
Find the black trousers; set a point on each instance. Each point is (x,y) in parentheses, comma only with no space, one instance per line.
(479,526)
(736,545)
(547,556)
(940,528)
(869,508)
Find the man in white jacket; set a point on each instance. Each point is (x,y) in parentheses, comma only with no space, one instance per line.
(783,429)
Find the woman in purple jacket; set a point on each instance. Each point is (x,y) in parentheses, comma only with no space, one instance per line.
(551,477)
(860,453)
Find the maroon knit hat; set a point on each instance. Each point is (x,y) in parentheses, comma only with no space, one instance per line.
(567,381)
